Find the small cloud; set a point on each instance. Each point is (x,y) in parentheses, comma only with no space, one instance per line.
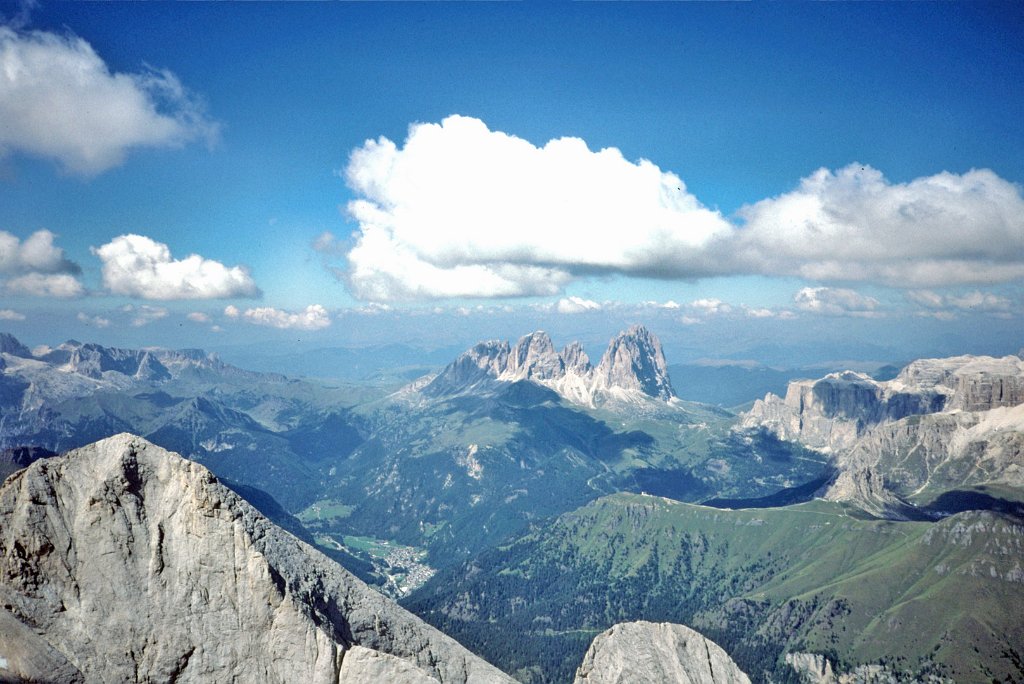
(231,311)
(36,267)
(59,99)
(670,304)
(144,314)
(313,317)
(574,305)
(831,301)
(926,298)
(710,306)
(11,315)
(758,313)
(979,301)
(198,317)
(137,266)
(60,285)
(372,309)
(951,305)
(94,321)
(326,244)
(937,315)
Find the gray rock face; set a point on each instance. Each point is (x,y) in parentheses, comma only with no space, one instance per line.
(480,364)
(633,366)
(646,652)
(866,487)
(9,344)
(634,361)
(939,451)
(534,358)
(832,412)
(940,424)
(124,562)
(576,359)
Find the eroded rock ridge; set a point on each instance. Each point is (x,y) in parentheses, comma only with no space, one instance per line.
(632,367)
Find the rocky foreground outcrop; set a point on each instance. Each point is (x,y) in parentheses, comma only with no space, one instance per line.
(633,366)
(121,562)
(654,653)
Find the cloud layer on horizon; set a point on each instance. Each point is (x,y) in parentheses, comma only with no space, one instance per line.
(58,99)
(313,317)
(463,211)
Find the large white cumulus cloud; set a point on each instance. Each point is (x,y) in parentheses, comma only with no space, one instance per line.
(854,225)
(461,210)
(58,99)
(138,266)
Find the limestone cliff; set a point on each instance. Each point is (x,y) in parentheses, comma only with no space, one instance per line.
(940,451)
(831,413)
(646,652)
(121,561)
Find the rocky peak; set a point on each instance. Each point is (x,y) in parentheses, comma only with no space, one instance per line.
(121,545)
(650,653)
(483,362)
(9,344)
(576,359)
(534,357)
(634,361)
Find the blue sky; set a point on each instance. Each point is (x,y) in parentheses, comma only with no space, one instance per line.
(237,124)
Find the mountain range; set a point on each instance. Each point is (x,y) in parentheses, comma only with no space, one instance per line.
(631,369)
(525,500)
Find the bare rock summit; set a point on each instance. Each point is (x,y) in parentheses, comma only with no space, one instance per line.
(122,562)
(656,653)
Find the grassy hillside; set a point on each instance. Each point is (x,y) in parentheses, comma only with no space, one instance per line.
(942,598)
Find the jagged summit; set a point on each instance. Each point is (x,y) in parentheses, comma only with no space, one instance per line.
(633,367)
(634,361)
(121,561)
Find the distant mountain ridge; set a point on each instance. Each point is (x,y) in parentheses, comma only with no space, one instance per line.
(632,368)
(940,425)
(245,425)
(833,411)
